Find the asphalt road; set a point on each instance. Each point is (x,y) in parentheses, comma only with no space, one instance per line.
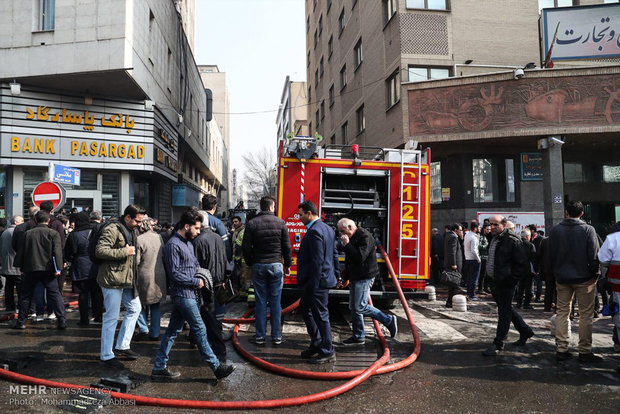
(450,374)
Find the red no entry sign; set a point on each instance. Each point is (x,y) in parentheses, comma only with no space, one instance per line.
(47,191)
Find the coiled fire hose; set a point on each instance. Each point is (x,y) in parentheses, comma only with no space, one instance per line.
(355,377)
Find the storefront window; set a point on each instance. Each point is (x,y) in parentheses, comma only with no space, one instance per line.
(494,180)
(574,173)
(435,182)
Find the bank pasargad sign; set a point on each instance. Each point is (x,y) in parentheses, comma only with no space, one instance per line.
(587,32)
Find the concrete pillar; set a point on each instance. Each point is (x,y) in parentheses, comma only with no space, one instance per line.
(553,181)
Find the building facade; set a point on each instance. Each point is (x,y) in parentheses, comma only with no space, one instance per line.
(292,112)
(219,140)
(111,88)
(368,61)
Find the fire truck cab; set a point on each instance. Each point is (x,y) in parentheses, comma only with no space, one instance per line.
(385,191)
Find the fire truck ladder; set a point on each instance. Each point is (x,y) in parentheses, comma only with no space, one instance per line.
(412,157)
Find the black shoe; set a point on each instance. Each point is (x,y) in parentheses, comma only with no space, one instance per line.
(528,307)
(590,357)
(153,338)
(523,339)
(322,359)
(393,328)
(83,324)
(140,336)
(354,341)
(127,354)
(223,371)
(164,374)
(493,350)
(113,363)
(309,353)
(278,341)
(562,356)
(257,341)
(18,325)
(62,324)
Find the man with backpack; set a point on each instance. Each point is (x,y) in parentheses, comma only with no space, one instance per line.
(112,247)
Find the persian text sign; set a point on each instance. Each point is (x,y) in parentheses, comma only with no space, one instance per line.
(583,33)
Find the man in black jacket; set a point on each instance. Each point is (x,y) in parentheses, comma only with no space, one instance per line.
(573,250)
(524,291)
(265,246)
(211,254)
(453,255)
(506,265)
(361,269)
(39,259)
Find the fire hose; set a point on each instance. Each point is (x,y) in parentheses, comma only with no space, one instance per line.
(354,377)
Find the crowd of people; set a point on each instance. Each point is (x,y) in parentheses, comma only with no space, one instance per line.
(136,263)
(579,272)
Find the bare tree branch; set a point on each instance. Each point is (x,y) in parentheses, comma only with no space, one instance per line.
(259,177)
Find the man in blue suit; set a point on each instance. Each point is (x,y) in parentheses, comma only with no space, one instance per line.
(317,263)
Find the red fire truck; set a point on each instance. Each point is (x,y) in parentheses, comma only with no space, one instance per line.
(385,191)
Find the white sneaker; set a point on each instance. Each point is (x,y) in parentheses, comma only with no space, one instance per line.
(51,316)
(32,316)
(39,318)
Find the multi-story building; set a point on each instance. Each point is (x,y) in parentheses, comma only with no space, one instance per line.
(215,81)
(292,113)
(382,73)
(108,87)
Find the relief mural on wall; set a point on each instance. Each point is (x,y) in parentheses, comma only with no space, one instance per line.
(520,104)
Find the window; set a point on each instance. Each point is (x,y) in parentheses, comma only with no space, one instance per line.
(420,73)
(341,21)
(316,78)
(388,10)
(47,10)
(436,183)
(322,109)
(361,119)
(308,24)
(345,133)
(574,172)
(329,5)
(611,174)
(317,115)
(359,56)
(494,180)
(321,67)
(320,25)
(316,37)
(546,4)
(393,89)
(310,128)
(331,95)
(309,93)
(332,139)
(314,5)
(330,47)
(343,77)
(427,4)
(308,64)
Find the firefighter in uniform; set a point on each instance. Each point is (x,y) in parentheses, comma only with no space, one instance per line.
(243,271)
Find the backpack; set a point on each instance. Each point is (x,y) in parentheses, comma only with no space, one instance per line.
(96,233)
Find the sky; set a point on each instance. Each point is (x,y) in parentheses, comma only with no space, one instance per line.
(257,43)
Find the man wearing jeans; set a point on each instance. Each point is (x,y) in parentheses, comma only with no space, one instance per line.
(361,269)
(573,249)
(265,246)
(117,270)
(181,269)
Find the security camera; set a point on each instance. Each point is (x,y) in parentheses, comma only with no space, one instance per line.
(555,141)
(518,73)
